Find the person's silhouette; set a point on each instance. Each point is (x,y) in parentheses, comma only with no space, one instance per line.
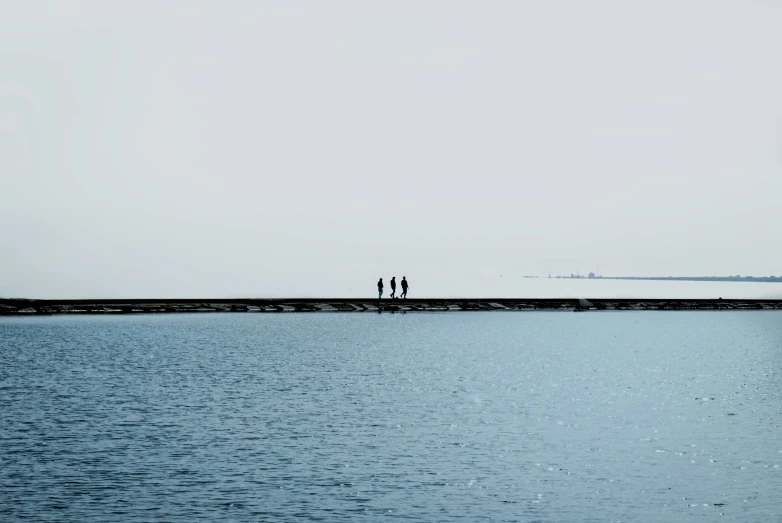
(404,287)
(393,286)
(380,288)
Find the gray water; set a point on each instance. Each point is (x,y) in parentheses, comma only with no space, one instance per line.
(518,416)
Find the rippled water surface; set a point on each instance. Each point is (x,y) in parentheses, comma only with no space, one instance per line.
(518,416)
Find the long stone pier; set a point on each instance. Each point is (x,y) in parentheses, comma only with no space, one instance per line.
(25,307)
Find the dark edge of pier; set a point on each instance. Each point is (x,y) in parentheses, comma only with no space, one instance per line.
(27,307)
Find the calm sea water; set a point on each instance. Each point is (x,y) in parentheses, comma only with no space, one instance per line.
(518,416)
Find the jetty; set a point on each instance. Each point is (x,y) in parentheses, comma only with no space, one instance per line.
(31,307)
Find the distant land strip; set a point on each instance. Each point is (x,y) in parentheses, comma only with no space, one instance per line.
(25,307)
(737,278)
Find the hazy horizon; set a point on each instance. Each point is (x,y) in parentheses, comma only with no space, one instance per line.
(191,149)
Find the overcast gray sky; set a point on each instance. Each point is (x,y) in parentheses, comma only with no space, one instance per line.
(185,148)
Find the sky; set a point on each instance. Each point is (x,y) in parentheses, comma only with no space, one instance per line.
(247,148)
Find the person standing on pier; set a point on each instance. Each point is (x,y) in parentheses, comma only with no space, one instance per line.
(380,288)
(404,288)
(393,287)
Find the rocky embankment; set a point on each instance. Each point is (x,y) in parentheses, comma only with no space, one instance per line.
(23,307)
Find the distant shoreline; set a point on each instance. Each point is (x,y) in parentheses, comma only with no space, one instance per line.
(735,279)
(25,307)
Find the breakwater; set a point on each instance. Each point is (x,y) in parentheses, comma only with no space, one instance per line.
(20,307)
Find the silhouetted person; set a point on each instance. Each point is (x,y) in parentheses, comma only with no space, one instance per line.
(404,288)
(393,287)
(380,288)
